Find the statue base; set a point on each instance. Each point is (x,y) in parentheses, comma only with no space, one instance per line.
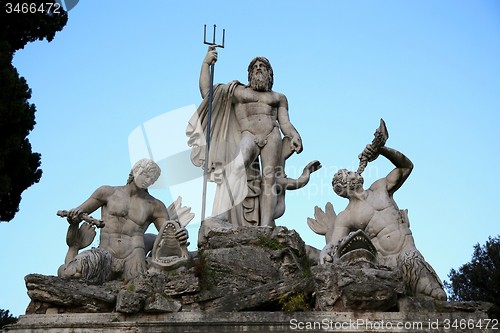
(246,279)
(254,322)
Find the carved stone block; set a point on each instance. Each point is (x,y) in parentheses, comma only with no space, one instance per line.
(182,284)
(129,301)
(348,288)
(159,304)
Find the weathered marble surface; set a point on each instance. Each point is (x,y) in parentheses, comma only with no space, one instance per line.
(261,321)
(247,151)
(237,268)
(375,213)
(348,288)
(126,211)
(240,269)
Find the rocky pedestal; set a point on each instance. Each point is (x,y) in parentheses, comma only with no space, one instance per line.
(235,269)
(344,288)
(253,279)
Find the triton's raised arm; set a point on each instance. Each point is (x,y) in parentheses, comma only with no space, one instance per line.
(404,166)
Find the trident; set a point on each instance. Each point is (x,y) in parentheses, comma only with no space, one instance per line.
(209,120)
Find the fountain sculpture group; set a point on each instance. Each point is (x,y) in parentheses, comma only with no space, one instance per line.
(244,261)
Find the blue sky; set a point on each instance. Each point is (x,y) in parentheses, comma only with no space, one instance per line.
(430,69)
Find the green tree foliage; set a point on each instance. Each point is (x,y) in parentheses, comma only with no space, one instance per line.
(19,166)
(6,318)
(478,280)
(18,29)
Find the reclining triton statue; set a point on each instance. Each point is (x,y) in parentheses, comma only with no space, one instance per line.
(375,212)
(126,212)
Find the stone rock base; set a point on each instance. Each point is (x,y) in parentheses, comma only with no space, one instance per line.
(253,322)
(348,288)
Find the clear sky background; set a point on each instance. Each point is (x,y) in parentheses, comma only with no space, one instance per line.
(430,69)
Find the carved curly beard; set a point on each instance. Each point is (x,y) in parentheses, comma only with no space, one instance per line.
(260,82)
(352,185)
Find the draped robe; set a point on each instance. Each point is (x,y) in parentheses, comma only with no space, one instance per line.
(225,135)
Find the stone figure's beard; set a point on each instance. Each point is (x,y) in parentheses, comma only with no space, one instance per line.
(260,82)
(352,185)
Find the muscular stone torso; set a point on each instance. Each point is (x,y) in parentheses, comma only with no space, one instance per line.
(256,111)
(379,217)
(126,221)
